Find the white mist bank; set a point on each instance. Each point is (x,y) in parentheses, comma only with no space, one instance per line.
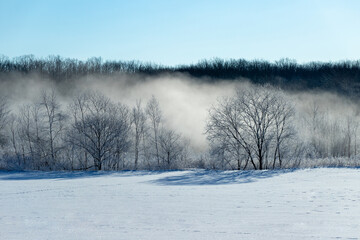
(184,101)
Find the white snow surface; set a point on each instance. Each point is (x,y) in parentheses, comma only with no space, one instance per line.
(319,203)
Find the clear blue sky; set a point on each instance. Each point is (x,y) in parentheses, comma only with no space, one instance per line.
(183,31)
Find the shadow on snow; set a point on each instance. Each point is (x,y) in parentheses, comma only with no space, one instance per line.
(38,175)
(210,177)
(192,177)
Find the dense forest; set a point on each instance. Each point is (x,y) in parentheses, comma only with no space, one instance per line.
(342,77)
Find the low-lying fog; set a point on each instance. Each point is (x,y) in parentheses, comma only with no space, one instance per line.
(184,101)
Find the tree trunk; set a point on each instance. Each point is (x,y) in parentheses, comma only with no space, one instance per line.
(168,159)
(136,155)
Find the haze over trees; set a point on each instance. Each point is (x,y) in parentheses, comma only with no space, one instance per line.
(92,132)
(4,112)
(261,126)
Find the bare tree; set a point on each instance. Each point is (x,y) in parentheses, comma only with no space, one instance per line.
(31,134)
(220,151)
(4,114)
(155,116)
(356,127)
(225,126)
(283,113)
(14,139)
(25,133)
(101,130)
(138,120)
(330,134)
(170,147)
(54,120)
(79,109)
(250,119)
(350,131)
(123,138)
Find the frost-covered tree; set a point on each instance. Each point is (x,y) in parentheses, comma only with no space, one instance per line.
(138,121)
(54,125)
(170,146)
(154,114)
(100,128)
(251,122)
(4,114)
(284,113)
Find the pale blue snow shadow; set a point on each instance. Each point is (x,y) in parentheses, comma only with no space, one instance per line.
(195,177)
(209,177)
(38,175)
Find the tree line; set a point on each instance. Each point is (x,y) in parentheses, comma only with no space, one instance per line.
(258,127)
(91,133)
(342,76)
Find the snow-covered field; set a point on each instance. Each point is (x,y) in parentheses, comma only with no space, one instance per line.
(302,204)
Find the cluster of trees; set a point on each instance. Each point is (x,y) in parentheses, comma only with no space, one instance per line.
(328,135)
(91,133)
(259,127)
(254,127)
(343,77)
